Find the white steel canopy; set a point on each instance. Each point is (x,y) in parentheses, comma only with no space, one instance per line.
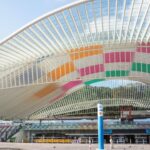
(46,62)
(83,23)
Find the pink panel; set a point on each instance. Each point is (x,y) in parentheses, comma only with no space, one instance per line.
(112,57)
(144,44)
(91,69)
(148,49)
(129,56)
(123,57)
(71,84)
(118,57)
(87,70)
(99,68)
(138,49)
(106,57)
(144,49)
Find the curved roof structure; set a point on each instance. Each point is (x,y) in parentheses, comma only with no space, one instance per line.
(65,50)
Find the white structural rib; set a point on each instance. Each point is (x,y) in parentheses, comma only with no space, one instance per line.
(59,35)
(41,51)
(15,50)
(70,29)
(148,38)
(35,49)
(64,32)
(81,22)
(95,21)
(142,22)
(44,43)
(52,45)
(27,49)
(88,22)
(50,42)
(135,23)
(128,25)
(122,22)
(101,15)
(74,22)
(116,14)
(145,32)
(108,21)
(13,56)
(8,57)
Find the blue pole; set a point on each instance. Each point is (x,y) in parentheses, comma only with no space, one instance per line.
(100,127)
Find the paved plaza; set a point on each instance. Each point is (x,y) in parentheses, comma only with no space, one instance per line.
(35,146)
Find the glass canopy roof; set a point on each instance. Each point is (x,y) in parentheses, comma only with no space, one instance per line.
(69,48)
(80,24)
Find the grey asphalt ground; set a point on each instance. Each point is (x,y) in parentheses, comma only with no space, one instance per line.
(36,146)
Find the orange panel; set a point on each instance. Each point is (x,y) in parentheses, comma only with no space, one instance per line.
(47,90)
(85,52)
(86,48)
(78,55)
(61,71)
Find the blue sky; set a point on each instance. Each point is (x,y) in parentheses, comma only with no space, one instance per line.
(16,13)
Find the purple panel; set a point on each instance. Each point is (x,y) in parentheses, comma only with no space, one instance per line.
(71,84)
(91,69)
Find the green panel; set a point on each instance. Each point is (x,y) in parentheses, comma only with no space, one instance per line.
(112,73)
(133,67)
(108,73)
(141,67)
(93,81)
(117,73)
(148,68)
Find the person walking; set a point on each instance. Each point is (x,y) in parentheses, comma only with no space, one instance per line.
(111,143)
